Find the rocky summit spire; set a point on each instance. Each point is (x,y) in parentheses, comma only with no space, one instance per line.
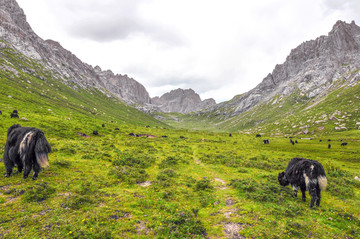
(182,101)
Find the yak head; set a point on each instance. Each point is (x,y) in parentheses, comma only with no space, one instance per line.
(282,179)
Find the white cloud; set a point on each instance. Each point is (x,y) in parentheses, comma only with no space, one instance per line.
(218,48)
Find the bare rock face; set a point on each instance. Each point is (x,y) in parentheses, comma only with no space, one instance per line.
(181,101)
(17,34)
(310,69)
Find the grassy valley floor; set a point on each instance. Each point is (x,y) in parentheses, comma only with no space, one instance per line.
(190,184)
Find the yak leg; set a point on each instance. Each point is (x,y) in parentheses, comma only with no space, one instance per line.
(313,193)
(319,196)
(36,168)
(303,191)
(9,165)
(27,170)
(296,189)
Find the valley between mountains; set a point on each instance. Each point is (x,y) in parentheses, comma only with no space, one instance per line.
(177,166)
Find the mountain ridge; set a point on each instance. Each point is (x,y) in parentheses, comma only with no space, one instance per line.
(16,31)
(181,101)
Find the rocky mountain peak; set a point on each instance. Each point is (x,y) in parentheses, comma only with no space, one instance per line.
(13,16)
(309,69)
(182,101)
(15,30)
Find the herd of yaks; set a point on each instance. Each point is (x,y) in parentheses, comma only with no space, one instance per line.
(27,148)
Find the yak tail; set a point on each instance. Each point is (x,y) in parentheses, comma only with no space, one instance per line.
(322,182)
(42,148)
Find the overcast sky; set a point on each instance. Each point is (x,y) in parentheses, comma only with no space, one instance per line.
(219,48)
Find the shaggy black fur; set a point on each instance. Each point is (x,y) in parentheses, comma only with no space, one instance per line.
(258,136)
(14,115)
(344,144)
(27,148)
(266,141)
(306,174)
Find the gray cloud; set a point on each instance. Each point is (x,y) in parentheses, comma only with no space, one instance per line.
(105,21)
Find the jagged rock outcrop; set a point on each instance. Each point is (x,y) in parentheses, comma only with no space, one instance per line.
(310,70)
(17,34)
(181,101)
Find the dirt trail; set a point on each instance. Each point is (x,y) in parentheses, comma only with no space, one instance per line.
(231,226)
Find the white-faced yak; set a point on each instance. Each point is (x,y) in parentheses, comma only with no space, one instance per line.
(27,148)
(306,174)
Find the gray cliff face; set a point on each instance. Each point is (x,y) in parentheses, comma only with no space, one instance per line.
(182,101)
(311,68)
(15,30)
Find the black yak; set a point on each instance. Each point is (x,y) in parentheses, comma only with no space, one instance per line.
(306,174)
(344,144)
(265,141)
(329,146)
(27,148)
(258,136)
(14,115)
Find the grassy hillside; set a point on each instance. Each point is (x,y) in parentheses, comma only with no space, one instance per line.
(289,115)
(190,184)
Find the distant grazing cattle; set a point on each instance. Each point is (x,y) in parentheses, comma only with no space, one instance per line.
(266,141)
(132,134)
(164,136)
(329,140)
(103,125)
(296,141)
(14,115)
(230,135)
(329,146)
(95,132)
(258,136)
(147,126)
(0,112)
(27,148)
(117,129)
(182,137)
(292,142)
(343,144)
(306,174)
(320,140)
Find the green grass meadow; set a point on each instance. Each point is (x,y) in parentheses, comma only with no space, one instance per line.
(190,184)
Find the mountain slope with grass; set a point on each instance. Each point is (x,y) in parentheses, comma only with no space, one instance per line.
(16,31)
(315,89)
